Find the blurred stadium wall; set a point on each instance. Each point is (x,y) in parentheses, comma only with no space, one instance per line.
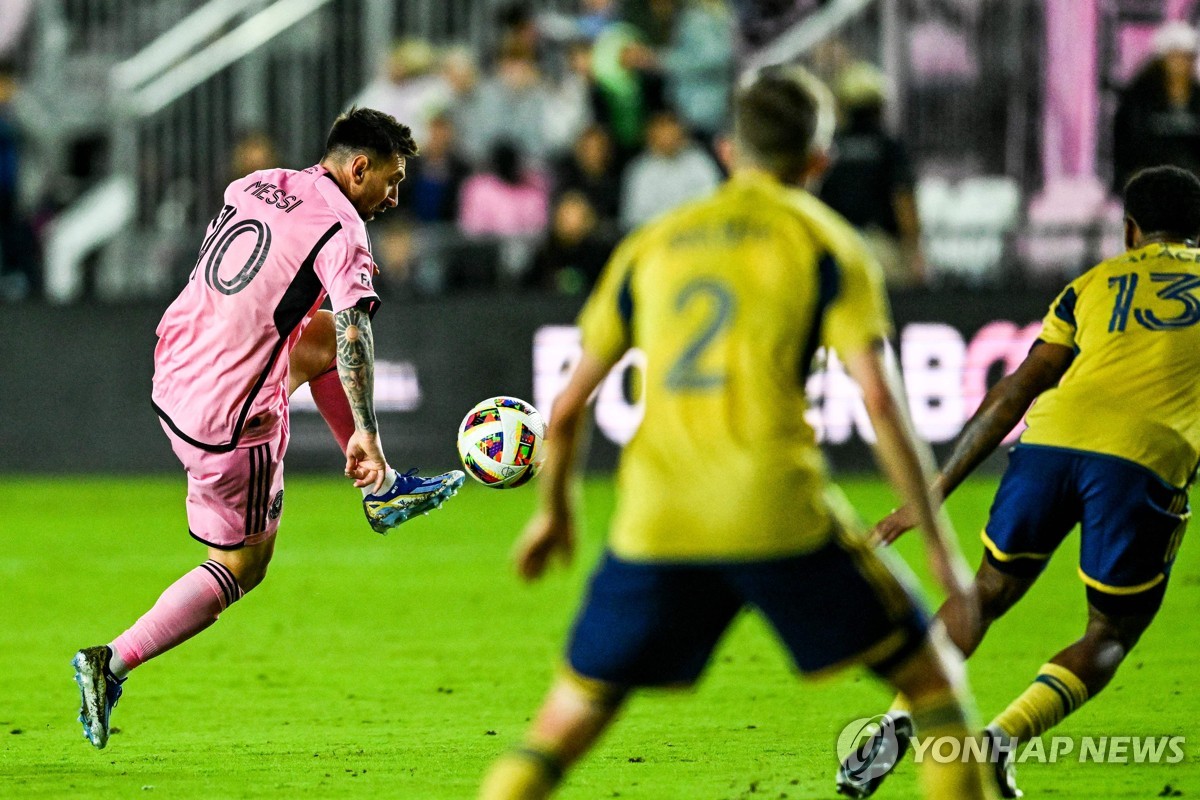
(76,395)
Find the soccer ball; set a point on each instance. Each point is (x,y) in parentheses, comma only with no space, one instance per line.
(500,442)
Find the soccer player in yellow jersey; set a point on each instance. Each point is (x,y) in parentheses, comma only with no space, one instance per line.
(723,498)
(1112,444)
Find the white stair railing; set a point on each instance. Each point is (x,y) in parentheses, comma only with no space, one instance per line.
(156,92)
(814,28)
(185,37)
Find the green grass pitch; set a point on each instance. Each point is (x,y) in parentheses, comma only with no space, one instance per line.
(400,667)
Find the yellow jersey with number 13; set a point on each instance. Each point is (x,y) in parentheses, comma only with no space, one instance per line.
(1133,390)
(729,297)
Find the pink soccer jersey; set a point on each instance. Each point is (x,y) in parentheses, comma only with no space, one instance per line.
(283,241)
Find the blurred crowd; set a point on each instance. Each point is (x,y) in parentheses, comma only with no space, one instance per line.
(537,154)
(542,147)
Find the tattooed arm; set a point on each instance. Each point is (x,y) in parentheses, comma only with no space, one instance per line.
(356,365)
(356,368)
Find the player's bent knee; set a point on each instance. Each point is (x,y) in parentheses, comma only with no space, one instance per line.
(1121,629)
(596,695)
(251,578)
(997,591)
(249,564)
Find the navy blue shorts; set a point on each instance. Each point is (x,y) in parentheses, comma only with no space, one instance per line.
(657,623)
(1131,523)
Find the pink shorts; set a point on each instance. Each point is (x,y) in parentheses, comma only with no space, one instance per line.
(234,499)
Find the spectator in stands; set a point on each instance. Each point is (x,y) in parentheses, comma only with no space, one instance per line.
(460,70)
(592,18)
(760,21)
(253,150)
(395,253)
(569,107)
(20,273)
(596,16)
(513,103)
(671,171)
(830,58)
(575,251)
(411,90)
(871,181)
(697,66)
(518,28)
(591,171)
(655,19)
(628,87)
(430,191)
(423,249)
(1158,115)
(505,200)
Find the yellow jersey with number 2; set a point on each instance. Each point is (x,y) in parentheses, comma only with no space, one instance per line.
(729,297)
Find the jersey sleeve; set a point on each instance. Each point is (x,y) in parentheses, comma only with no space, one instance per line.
(1058,326)
(851,288)
(347,271)
(606,319)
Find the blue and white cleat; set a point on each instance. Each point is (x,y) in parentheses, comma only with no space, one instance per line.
(410,495)
(863,770)
(99,692)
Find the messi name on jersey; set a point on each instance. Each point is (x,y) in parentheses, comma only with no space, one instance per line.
(272,195)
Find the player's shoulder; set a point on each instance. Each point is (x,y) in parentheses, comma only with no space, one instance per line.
(825,234)
(783,210)
(827,225)
(798,211)
(716,207)
(337,208)
(1121,263)
(653,232)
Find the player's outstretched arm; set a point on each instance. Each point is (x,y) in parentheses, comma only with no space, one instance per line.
(907,464)
(1002,408)
(356,369)
(552,528)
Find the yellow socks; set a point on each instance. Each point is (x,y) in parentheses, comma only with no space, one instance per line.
(525,773)
(1054,694)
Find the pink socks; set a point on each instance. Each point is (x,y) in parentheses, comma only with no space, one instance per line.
(331,401)
(187,607)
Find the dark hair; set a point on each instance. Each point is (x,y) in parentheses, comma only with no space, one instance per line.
(506,162)
(776,120)
(1148,85)
(365,129)
(1165,200)
(663,115)
(515,14)
(865,118)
